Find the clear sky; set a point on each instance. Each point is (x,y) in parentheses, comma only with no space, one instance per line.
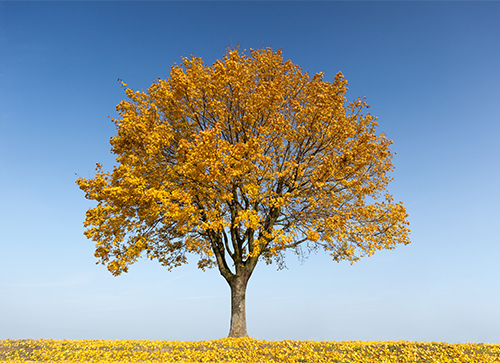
(429,70)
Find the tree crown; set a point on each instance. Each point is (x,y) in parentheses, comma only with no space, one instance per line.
(243,159)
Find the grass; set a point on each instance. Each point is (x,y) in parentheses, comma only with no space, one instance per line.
(243,350)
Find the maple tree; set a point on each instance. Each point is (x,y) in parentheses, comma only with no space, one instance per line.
(238,162)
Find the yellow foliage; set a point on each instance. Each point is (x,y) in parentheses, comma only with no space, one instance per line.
(243,159)
(244,350)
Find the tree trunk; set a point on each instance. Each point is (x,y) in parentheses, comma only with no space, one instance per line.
(238,285)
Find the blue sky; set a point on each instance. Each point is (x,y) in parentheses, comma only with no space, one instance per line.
(429,70)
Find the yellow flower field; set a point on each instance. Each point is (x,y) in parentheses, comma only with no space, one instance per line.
(242,350)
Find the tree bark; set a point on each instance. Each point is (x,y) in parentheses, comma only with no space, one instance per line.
(238,285)
(237,282)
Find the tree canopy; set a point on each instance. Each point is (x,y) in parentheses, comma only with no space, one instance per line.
(239,161)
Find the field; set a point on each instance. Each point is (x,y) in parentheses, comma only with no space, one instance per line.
(242,350)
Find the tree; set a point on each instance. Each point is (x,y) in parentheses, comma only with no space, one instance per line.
(238,162)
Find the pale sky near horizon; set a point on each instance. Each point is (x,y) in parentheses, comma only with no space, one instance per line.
(430,72)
